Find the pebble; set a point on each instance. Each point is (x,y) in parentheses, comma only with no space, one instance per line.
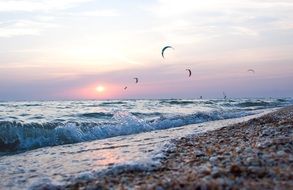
(267,132)
(213,159)
(248,150)
(264,144)
(253,169)
(290,158)
(238,149)
(252,161)
(216,172)
(281,153)
(199,153)
(205,170)
(235,169)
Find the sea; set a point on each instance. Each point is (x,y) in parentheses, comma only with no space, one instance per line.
(55,143)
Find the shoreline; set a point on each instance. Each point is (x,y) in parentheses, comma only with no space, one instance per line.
(257,154)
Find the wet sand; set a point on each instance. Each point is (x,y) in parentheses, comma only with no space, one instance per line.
(257,154)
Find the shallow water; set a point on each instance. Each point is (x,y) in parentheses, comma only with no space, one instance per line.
(59,142)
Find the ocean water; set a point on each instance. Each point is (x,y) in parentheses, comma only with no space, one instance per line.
(57,142)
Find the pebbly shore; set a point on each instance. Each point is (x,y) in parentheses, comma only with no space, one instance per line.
(257,154)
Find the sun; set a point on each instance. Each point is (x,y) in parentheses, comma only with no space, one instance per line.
(100,89)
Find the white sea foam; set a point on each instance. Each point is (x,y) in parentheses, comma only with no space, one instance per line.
(23,136)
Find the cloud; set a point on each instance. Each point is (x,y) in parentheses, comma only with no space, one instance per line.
(40,15)
(38,5)
(32,17)
(238,30)
(23,27)
(193,21)
(100,13)
(167,8)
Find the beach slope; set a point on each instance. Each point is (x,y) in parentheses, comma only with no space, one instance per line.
(257,154)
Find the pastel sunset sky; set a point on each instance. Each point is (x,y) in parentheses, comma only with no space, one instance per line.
(92,49)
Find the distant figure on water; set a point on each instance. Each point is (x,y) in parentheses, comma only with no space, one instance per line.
(164,49)
(200,97)
(125,87)
(224,96)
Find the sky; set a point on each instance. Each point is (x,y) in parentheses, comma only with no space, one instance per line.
(92,49)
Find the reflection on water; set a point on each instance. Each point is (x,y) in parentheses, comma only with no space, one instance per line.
(108,158)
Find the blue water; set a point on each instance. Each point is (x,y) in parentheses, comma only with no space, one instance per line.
(35,124)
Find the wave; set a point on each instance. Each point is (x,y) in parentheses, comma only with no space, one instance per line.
(200,117)
(112,103)
(253,104)
(96,115)
(262,103)
(16,136)
(282,100)
(177,102)
(20,105)
(32,105)
(153,114)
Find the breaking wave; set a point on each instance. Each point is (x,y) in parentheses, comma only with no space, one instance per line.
(16,136)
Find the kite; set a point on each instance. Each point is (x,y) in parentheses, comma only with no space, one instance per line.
(189,71)
(164,49)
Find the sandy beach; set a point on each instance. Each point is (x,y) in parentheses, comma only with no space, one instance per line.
(257,154)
